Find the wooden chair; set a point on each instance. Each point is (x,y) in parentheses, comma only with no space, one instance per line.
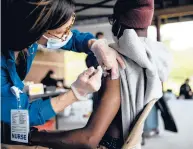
(134,138)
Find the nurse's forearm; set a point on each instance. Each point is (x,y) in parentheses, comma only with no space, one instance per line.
(61,102)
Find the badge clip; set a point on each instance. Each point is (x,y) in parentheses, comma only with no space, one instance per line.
(16,91)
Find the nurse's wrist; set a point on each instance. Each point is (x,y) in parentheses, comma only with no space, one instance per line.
(69,94)
(62,101)
(73,95)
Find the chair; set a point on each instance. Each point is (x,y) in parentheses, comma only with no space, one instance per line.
(134,138)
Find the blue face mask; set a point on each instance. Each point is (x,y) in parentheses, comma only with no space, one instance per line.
(54,43)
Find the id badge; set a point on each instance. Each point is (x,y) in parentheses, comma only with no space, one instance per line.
(19,125)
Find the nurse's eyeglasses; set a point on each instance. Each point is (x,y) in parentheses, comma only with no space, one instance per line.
(67,31)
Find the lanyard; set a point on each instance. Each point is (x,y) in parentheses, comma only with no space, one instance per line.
(16,91)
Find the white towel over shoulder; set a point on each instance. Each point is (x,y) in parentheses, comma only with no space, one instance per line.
(140,54)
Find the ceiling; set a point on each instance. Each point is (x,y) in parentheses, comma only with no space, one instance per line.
(97,11)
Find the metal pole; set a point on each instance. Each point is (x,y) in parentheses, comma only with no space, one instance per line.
(158,25)
(93,5)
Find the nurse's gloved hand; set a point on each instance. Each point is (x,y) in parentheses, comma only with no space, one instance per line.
(107,57)
(88,82)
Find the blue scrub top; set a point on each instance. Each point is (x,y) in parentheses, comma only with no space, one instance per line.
(40,110)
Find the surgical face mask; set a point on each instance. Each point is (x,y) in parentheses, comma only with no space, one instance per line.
(54,43)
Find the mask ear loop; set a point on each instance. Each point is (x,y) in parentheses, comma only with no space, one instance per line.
(118,31)
(45,37)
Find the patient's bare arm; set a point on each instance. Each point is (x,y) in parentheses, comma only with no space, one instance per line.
(108,107)
(98,124)
(101,118)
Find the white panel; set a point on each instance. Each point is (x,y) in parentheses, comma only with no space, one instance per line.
(105,28)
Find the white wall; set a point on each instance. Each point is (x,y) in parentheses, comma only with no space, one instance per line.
(105,28)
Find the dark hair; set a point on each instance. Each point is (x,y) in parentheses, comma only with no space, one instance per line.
(91,61)
(99,34)
(50,72)
(25,21)
(187,80)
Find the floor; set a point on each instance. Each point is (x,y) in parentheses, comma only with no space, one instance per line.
(183,114)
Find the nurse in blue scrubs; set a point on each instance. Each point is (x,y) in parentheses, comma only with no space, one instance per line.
(27,23)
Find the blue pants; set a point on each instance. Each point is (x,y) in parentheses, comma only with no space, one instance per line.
(152,120)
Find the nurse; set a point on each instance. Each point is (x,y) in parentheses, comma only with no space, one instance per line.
(27,23)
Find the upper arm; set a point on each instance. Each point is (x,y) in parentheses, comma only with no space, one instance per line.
(107,109)
(110,91)
(79,42)
(108,95)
